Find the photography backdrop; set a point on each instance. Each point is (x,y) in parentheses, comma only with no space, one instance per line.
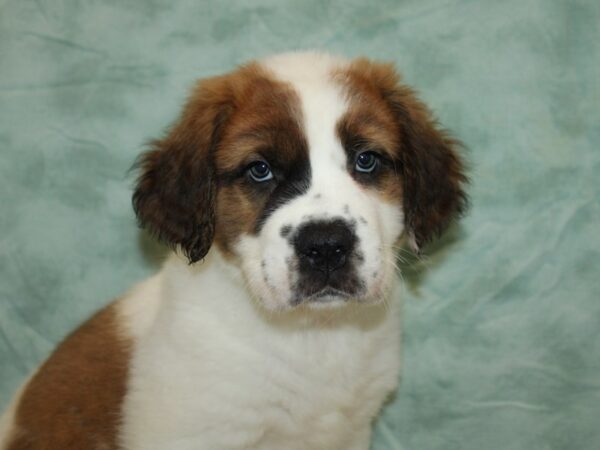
(502,317)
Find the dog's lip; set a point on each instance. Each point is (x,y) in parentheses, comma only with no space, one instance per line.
(327,294)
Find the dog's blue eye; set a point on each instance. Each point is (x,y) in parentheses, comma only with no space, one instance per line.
(366,162)
(260,171)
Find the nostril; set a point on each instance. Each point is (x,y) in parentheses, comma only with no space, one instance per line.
(338,257)
(313,252)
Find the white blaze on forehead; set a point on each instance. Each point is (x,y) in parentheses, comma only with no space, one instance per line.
(323,103)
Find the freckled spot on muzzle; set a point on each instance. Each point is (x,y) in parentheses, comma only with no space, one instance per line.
(285,231)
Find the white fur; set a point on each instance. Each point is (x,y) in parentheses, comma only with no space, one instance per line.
(217,371)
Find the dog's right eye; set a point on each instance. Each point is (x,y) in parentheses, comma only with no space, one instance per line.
(366,162)
(260,172)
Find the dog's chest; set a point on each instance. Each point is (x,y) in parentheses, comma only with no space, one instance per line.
(253,387)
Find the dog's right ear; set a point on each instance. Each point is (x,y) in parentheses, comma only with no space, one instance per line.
(175,195)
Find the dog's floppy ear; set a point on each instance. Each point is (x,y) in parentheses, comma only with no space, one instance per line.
(432,171)
(433,174)
(176,190)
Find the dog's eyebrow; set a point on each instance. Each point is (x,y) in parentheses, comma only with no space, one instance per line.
(238,151)
(354,141)
(251,137)
(370,125)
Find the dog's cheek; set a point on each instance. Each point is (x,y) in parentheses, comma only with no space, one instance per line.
(264,257)
(236,214)
(392,228)
(391,219)
(265,272)
(378,233)
(280,265)
(247,249)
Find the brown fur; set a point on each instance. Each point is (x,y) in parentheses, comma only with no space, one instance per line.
(425,157)
(369,126)
(266,125)
(191,189)
(73,401)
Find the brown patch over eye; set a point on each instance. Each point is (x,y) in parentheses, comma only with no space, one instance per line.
(265,126)
(369,126)
(429,172)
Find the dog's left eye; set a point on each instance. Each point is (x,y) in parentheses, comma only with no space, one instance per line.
(366,162)
(260,172)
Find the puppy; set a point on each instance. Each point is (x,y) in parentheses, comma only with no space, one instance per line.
(283,190)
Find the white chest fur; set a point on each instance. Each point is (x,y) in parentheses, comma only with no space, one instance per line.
(211,370)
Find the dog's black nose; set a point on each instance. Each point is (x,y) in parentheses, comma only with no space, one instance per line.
(324,246)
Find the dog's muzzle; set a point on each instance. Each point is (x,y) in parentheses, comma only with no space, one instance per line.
(325,251)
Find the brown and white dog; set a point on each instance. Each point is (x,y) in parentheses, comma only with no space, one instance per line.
(283,189)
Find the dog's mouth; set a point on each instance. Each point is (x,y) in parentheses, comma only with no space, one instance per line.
(328,288)
(327,294)
(324,295)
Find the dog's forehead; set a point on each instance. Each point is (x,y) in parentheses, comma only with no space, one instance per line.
(322,101)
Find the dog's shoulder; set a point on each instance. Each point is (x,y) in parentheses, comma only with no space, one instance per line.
(74,398)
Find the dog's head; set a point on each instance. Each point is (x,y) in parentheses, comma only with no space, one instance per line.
(305,170)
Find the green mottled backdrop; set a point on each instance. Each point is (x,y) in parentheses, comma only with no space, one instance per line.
(502,318)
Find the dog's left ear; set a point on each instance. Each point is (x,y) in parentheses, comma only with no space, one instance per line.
(433,173)
(429,163)
(176,191)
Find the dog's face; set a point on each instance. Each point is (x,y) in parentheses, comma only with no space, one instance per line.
(305,170)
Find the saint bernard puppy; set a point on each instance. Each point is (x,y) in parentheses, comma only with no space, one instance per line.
(283,189)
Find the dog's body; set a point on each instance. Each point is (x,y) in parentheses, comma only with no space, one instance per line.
(302,172)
